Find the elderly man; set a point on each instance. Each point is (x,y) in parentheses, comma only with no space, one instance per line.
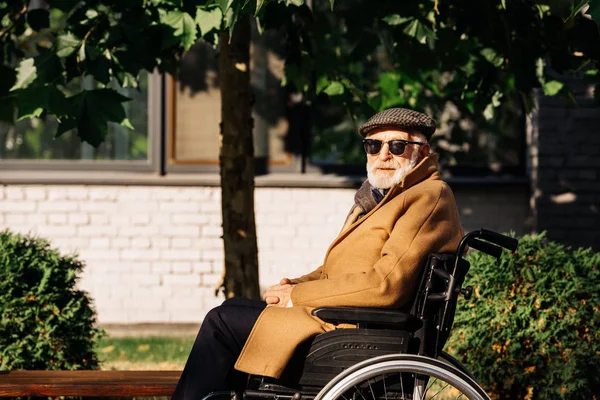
(402,213)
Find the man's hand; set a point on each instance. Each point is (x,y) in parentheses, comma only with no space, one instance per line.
(279,295)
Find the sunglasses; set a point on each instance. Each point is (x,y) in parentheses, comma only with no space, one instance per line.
(396,147)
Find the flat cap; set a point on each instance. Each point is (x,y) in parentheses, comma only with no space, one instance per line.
(399,118)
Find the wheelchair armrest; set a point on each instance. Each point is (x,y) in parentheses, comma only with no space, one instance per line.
(362,316)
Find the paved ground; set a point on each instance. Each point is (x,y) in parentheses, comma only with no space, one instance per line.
(141,330)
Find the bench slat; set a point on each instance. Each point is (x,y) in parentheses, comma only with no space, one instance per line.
(88,383)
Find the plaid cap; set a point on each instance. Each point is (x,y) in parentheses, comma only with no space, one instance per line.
(399,118)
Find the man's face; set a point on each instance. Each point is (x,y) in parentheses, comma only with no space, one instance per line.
(386,169)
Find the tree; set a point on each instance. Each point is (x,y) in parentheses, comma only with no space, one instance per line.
(473,63)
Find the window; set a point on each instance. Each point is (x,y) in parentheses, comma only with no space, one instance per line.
(33,139)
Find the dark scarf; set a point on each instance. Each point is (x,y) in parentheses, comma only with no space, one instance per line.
(367,197)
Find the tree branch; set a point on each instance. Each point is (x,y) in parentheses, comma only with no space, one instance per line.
(14,23)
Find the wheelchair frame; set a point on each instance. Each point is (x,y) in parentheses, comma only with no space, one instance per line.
(386,341)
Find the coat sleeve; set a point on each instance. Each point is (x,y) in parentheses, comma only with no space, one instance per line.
(428,223)
(316,274)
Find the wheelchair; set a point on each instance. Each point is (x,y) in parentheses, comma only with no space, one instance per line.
(392,354)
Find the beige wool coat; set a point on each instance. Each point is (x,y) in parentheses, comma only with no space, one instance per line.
(375,261)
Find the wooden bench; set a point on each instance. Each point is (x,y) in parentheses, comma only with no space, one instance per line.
(88,383)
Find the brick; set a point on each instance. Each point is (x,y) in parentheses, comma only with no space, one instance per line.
(77,192)
(145,303)
(15,219)
(140,219)
(99,206)
(180,255)
(14,192)
(189,219)
(181,280)
(178,206)
(160,267)
(211,207)
(202,267)
(94,231)
(142,279)
(160,243)
(211,280)
(99,254)
(57,193)
(212,231)
(98,219)
(213,255)
(138,231)
(140,243)
(79,219)
(186,231)
(181,243)
(181,267)
(17,206)
(142,255)
(58,206)
(100,243)
(36,193)
(148,316)
(119,219)
(103,193)
(120,242)
(57,219)
(56,231)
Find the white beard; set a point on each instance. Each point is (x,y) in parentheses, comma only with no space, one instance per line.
(385,181)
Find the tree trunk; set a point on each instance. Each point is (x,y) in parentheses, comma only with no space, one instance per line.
(236,157)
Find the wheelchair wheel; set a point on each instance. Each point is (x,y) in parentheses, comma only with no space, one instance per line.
(402,377)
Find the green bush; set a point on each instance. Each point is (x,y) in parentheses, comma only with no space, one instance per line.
(45,322)
(532,328)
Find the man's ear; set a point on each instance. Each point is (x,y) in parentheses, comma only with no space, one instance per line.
(425,150)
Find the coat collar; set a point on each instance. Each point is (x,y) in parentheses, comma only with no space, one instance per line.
(426,169)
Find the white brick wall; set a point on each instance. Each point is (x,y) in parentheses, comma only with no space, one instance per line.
(154,254)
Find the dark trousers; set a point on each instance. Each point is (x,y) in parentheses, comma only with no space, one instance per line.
(218,345)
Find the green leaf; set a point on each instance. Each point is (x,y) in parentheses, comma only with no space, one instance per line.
(34,100)
(26,73)
(492,57)
(66,45)
(419,31)
(224,5)
(48,66)
(594,10)
(208,20)
(260,5)
(183,25)
(334,89)
(38,19)
(296,3)
(331,4)
(93,109)
(552,88)
(396,19)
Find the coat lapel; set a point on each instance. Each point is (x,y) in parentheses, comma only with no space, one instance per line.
(422,171)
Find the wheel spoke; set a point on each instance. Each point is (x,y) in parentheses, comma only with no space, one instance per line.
(384,388)
(371,389)
(432,381)
(402,386)
(439,391)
